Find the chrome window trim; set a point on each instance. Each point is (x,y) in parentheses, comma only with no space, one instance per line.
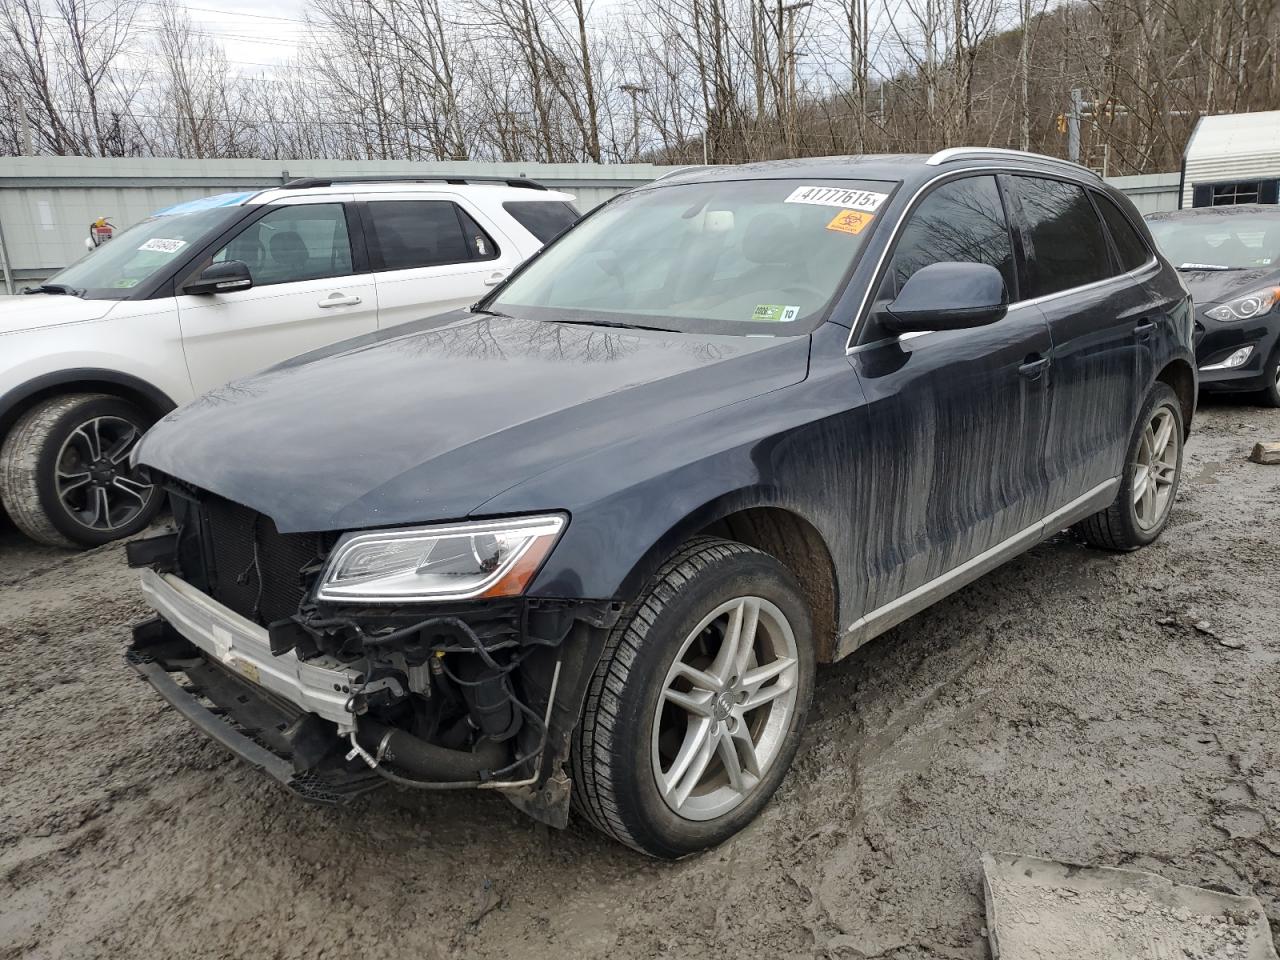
(861,315)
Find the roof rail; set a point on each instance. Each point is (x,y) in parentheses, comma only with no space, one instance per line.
(685,169)
(303,183)
(967,153)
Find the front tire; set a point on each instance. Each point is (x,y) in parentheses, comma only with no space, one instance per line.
(695,710)
(64,471)
(1149,485)
(1271,392)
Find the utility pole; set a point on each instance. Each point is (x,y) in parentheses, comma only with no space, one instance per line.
(787,66)
(24,125)
(1073,125)
(634,90)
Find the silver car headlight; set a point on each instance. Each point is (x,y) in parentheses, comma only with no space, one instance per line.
(1247,307)
(464,561)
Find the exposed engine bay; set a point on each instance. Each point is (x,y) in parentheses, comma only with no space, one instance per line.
(334,700)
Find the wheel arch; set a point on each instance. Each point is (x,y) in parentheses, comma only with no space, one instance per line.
(82,380)
(782,532)
(1182,379)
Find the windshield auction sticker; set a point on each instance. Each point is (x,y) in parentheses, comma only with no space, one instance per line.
(163,246)
(774,313)
(850,221)
(867,201)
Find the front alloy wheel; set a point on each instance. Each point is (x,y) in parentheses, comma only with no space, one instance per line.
(64,471)
(726,708)
(92,478)
(695,708)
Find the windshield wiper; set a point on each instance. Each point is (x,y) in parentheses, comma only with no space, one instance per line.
(1201,267)
(56,288)
(614,323)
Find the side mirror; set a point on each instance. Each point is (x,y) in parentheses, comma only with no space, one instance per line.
(222,278)
(948,296)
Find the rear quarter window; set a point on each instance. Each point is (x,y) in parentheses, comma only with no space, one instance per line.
(1129,243)
(545,219)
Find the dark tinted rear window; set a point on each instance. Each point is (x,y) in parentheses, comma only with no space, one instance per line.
(1065,244)
(545,219)
(424,233)
(1133,251)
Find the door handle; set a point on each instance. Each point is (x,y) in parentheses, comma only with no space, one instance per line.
(1144,330)
(495,278)
(338,300)
(1033,367)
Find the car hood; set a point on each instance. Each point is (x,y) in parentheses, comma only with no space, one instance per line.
(429,421)
(1217,286)
(32,310)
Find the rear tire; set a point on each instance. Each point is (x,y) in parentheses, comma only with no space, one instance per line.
(1149,485)
(672,687)
(64,473)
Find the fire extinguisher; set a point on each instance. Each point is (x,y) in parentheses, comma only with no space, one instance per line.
(100,231)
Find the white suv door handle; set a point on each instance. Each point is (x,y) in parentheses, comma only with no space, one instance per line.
(338,300)
(495,278)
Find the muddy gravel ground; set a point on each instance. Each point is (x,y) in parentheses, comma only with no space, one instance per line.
(1095,708)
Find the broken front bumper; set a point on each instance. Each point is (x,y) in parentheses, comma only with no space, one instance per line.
(321,686)
(278,714)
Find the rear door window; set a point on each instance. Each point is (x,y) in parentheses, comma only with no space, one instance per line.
(404,234)
(962,220)
(1062,236)
(545,219)
(1130,246)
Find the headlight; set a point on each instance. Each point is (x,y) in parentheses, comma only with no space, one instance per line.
(1247,307)
(465,561)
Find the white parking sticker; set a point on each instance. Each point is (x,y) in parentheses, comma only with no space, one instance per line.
(163,246)
(867,201)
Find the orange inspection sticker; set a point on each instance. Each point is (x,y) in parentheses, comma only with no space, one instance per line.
(850,221)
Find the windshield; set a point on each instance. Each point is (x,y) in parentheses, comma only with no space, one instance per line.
(1229,241)
(741,257)
(139,253)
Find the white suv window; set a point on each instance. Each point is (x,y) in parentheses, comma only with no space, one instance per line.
(303,242)
(404,234)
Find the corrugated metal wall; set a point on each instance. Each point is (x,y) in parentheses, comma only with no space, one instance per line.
(47,203)
(1150,192)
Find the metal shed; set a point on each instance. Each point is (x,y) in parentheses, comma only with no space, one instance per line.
(1232,158)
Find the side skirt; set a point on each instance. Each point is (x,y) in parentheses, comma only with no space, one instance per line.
(872,624)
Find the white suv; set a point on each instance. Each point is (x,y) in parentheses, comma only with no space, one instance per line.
(217,288)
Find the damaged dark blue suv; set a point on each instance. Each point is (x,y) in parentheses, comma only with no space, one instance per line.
(585,543)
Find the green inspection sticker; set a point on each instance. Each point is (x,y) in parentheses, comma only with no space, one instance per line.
(774,313)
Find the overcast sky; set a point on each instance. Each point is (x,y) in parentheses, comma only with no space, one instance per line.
(255,35)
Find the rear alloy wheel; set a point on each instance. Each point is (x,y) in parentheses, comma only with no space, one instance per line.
(695,709)
(1149,485)
(65,476)
(1155,473)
